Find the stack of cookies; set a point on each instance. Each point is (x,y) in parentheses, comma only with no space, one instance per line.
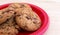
(18,16)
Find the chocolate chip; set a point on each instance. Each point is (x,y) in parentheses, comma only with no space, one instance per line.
(1,32)
(8,29)
(34,22)
(14,12)
(7,16)
(9,33)
(3,12)
(22,6)
(28,17)
(18,15)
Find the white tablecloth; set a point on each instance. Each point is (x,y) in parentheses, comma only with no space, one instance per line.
(51,8)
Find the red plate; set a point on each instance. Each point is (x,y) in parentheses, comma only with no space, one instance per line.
(41,13)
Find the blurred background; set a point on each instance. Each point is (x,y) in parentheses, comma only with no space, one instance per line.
(52,8)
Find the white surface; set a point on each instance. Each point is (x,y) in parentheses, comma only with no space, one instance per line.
(51,8)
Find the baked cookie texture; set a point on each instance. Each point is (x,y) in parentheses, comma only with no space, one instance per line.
(27,19)
(5,14)
(18,16)
(8,25)
(8,28)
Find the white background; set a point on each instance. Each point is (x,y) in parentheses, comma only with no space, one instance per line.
(52,8)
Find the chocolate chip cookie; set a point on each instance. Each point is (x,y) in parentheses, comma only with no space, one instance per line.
(16,16)
(8,28)
(27,19)
(5,14)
